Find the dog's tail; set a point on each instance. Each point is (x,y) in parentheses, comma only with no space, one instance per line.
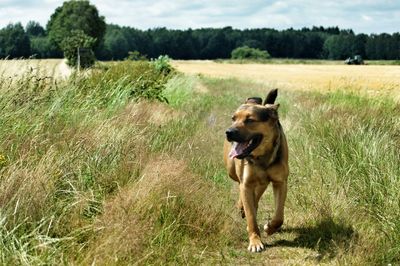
(271,97)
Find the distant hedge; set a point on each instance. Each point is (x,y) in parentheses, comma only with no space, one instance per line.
(246,52)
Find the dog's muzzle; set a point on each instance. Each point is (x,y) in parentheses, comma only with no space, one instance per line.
(241,147)
(233,134)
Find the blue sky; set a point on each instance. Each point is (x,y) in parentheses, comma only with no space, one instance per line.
(366,16)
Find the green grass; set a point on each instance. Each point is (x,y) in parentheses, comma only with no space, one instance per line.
(89,173)
(350,144)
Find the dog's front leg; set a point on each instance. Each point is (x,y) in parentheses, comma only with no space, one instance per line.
(247,195)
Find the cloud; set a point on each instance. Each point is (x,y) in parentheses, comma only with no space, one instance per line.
(361,15)
(366,18)
(12,11)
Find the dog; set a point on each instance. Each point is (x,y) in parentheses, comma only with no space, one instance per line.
(256,154)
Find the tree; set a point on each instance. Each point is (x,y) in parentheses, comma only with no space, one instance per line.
(359,45)
(14,42)
(340,46)
(217,46)
(33,28)
(76,15)
(78,41)
(41,47)
(117,44)
(252,44)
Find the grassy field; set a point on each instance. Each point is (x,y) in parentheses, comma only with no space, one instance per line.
(90,175)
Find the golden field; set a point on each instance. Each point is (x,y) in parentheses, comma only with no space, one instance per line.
(327,77)
(56,68)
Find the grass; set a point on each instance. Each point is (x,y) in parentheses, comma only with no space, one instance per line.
(91,175)
(351,143)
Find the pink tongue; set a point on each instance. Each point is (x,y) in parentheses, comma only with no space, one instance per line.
(237,149)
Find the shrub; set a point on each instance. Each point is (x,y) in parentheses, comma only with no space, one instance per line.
(246,52)
(162,64)
(136,56)
(134,79)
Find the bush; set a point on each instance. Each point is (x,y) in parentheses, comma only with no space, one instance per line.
(246,52)
(134,79)
(162,64)
(136,56)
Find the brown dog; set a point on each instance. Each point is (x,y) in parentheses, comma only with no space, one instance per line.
(255,154)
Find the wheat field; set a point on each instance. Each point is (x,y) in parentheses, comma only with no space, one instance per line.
(372,79)
(54,68)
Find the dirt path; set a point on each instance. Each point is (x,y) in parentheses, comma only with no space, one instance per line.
(369,78)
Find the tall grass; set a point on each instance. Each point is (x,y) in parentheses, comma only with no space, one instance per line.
(94,172)
(82,178)
(346,147)
(65,146)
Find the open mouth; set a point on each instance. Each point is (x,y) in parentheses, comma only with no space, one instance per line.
(241,150)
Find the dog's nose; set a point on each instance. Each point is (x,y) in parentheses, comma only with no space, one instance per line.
(231,133)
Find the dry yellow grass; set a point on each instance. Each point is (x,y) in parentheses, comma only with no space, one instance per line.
(56,68)
(369,78)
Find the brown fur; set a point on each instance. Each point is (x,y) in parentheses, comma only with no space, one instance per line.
(267,163)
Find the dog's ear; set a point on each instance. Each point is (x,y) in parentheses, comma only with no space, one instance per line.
(275,106)
(264,114)
(271,97)
(253,100)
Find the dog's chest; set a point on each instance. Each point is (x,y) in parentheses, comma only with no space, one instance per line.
(252,173)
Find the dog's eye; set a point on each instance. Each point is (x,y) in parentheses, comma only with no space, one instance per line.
(233,118)
(249,120)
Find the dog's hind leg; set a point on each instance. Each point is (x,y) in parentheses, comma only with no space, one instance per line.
(239,205)
(280,191)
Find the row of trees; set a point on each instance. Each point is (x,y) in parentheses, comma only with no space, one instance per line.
(115,42)
(209,43)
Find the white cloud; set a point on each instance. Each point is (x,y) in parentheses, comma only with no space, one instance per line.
(366,18)
(361,15)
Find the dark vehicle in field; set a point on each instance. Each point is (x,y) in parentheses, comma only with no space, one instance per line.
(356,60)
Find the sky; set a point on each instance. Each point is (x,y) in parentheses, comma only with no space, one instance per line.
(363,16)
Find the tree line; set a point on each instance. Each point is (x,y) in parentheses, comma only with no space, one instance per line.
(113,42)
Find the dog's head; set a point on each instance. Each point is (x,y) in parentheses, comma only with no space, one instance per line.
(254,127)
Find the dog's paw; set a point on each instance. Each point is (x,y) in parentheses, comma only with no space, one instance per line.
(273,227)
(255,244)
